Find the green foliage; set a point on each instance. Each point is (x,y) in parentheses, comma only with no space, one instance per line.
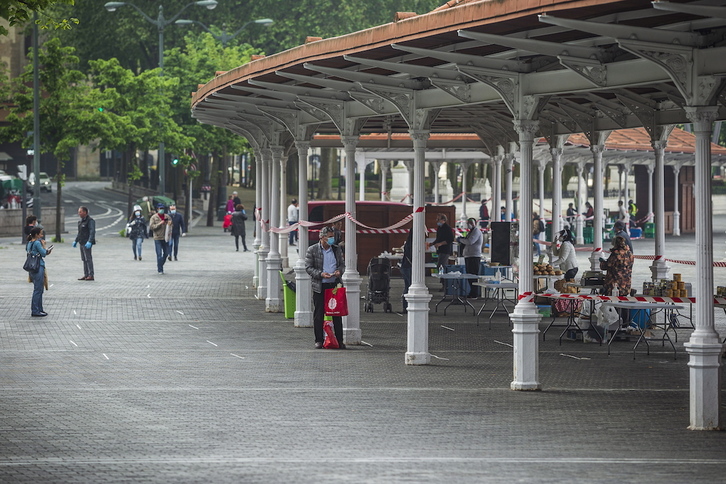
(19,12)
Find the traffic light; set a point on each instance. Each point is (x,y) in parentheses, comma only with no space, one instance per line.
(100,110)
(175,161)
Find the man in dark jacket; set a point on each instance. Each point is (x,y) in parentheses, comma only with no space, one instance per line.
(324,263)
(86,237)
(177,229)
(444,240)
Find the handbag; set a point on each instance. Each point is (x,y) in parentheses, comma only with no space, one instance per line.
(336,301)
(32,262)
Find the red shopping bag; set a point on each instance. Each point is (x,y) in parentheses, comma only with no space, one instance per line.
(336,302)
(331,342)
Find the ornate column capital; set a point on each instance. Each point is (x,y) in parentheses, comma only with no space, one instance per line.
(419,137)
(659,145)
(349,142)
(526,128)
(702,117)
(303,146)
(556,152)
(597,149)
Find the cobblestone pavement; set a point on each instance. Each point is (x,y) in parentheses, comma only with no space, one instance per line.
(182,377)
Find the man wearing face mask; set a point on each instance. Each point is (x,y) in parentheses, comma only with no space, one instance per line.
(137,232)
(472,252)
(324,263)
(444,240)
(177,229)
(158,223)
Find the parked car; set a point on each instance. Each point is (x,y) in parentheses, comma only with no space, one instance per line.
(46,184)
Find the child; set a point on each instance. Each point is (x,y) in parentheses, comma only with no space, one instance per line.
(227,221)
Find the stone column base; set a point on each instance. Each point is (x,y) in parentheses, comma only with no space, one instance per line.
(417,348)
(705,381)
(659,269)
(525,321)
(351,322)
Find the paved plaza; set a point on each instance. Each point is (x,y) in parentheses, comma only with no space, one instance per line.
(183,377)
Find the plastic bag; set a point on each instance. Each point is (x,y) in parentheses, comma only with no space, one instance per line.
(331,342)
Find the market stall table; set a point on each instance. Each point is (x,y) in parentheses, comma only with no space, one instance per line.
(572,314)
(455,288)
(642,306)
(500,296)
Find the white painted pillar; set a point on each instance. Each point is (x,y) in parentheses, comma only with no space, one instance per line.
(556,190)
(437,168)
(541,167)
(628,166)
(264,249)
(360,163)
(509,203)
(495,213)
(597,186)
(255,215)
(409,178)
(704,347)
(464,170)
(525,318)
(273,301)
(650,193)
(676,201)
(351,278)
(303,286)
(659,268)
(418,297)
(579,219)
(384,173)
(284,239)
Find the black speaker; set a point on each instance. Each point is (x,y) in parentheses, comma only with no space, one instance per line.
(500,243)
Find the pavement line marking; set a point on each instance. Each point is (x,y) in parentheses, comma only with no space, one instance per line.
(193,327)
(367,344)
(180,313)
(446,327)
(78,326)
(104,355)
(573,357)
(238,356)
(502,343)
(438,357)
(211,343)
(74,344)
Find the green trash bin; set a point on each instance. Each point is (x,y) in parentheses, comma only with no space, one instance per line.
(649,231)
(588,234)
(288,294)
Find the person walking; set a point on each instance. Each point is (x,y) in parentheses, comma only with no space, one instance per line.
(483,215)
(472,253)
(36,245)
(230,204)
(571,214)
(236,199)
(137,232)
(238,226)
(86,237)
(158,224)
(178,229)
(324,263)
(444,240)
(293,215)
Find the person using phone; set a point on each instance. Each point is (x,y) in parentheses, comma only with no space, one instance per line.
(36,245)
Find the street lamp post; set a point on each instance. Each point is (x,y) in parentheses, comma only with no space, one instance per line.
(225,37)
(161,22)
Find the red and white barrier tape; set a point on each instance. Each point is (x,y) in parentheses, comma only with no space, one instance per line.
(656,299)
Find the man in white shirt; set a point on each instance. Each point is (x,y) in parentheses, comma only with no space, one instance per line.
(293,215)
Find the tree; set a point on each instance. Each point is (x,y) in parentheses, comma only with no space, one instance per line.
(20,11)
(68,112)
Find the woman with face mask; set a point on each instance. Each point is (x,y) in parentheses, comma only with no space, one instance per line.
(137,232)
(472,252)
